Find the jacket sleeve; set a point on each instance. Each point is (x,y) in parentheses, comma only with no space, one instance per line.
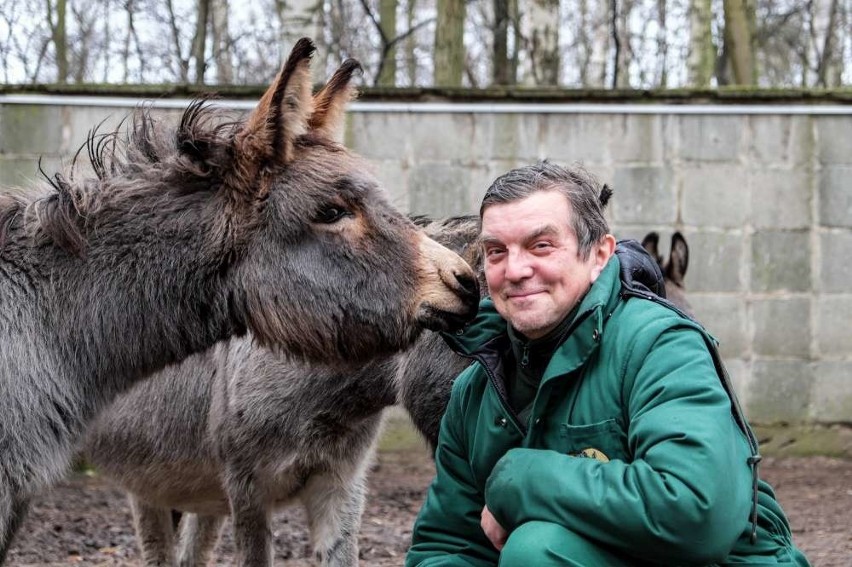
(685,496)
(447,530)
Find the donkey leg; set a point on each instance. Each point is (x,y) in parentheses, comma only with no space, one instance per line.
(154,531)
(334,505)
(198,537)
(252,537)
(12,513)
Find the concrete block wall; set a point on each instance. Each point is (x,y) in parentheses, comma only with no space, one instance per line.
(763,197)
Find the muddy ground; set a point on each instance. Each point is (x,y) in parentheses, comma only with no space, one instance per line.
(84,521)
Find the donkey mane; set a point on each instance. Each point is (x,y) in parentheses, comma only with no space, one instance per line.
(151,157)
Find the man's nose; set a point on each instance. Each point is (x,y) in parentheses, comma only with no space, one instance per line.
(518,266)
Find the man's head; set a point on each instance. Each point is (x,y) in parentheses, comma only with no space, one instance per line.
(545,241)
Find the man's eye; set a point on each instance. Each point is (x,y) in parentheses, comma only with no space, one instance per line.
(330,215)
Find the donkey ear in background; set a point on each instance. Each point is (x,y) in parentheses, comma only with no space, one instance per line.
(330,103)
(651,244)
(675,268)
(269,134)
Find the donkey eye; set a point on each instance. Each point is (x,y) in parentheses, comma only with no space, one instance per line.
(331,215)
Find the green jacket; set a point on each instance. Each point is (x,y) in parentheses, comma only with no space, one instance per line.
(634,380)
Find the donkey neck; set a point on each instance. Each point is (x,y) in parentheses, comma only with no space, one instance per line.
(116,318)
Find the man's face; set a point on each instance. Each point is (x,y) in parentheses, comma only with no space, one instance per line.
(532,264)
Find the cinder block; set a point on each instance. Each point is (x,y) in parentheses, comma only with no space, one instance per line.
(380,135)
(444,137)
(715,195)
(506,137)
(439,189)
(739,371)
(781,140)
(637,138)
(835,196)
(724,316)
(711,138)
(835,267)
(715,260)
(834,326)
(644,195)
(31,129)
(23,172)
(779,391)
(831,400)
(834,144)
(781,261)
(782,327)
(394,178)
(576,138)
(781,199)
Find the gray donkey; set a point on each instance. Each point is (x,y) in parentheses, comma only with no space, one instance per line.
(186,236)
(240,430)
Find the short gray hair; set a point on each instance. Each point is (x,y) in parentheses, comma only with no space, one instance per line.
(586,195)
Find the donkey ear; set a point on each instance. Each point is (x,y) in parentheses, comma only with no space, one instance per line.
(269,134)
(330,102)
(650,243)
(678,259)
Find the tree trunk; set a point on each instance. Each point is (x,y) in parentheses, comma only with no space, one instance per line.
(387,23)
(500,54)
(662,44)
(449,43)
(702,51)
(739,37)
(59,37)
(303,18)
(541,35)
(411,44)
(222,42)
(199,42)
(828,60)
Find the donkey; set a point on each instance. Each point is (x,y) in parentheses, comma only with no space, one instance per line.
(674,269)
(185,236)
(242,430)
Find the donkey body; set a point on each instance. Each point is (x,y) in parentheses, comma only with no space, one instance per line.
(187,236)
(240,430)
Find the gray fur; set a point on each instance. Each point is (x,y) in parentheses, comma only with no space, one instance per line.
(243,430)
(184,237)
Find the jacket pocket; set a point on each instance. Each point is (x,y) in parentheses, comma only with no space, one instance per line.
(604,441)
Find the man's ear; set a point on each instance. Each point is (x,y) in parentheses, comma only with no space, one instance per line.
(601,253)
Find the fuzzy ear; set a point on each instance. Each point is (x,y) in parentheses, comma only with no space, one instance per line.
(268,136)
(678,259)
(330,102)
(651,244)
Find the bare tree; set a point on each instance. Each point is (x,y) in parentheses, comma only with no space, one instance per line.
(541,42)
(739,40)
(449,50)
(57,19)
(221,41)
(702,52)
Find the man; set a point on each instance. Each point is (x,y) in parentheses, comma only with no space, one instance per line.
(596,425)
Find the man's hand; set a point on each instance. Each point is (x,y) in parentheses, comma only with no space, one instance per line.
(493,530)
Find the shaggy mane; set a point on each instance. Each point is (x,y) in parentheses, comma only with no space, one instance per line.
(142,159)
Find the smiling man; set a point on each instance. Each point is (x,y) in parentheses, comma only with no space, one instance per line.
(596,425)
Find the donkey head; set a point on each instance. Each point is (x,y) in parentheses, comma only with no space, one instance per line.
(674,269)
(327,267)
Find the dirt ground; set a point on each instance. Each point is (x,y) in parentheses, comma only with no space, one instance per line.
(86,522)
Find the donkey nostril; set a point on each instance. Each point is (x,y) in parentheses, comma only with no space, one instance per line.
(468,283)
